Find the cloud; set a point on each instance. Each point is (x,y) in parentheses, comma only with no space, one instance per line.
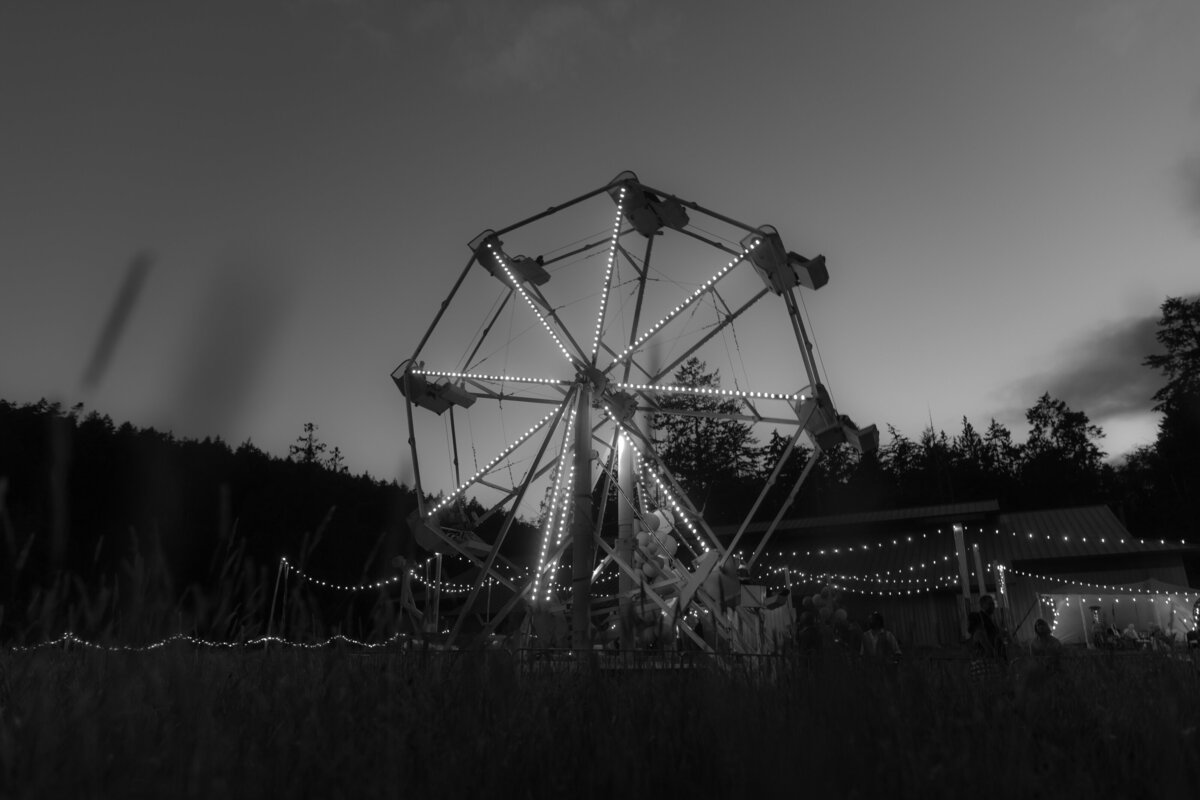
(1101,375)
(540,45)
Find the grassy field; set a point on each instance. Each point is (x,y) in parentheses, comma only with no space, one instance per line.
(187,722)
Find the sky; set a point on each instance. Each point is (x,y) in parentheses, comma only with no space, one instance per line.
(1005,193)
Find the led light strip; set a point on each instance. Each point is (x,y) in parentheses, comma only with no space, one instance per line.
(564,508)
(612,253)
(555,501)
(517,285)
(476,376)
(504,454)
(646,387)
(708,284)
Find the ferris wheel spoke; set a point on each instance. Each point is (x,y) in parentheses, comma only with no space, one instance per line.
(552,313)
(707,286)
(542,470)
(608,274)
(481,378)
(488,250)
(722,325)
(499,459)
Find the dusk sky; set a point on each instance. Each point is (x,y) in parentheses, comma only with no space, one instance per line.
(1005,192)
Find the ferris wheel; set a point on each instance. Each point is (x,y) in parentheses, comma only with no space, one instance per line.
(548,364)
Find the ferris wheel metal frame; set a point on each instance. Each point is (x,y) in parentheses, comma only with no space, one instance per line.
(599,393)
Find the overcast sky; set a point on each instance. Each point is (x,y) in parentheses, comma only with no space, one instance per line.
(1005,192)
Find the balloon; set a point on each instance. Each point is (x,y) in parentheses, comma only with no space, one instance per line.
(807,602)
(826,592)
(840,615)
(818,601)
(650,568)
(671,544)
(826,613)
(642,538)
(638,559)
(653,546)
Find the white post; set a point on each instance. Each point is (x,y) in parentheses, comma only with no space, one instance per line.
(581,526)
(1087,628)
(960,550)
(979,575)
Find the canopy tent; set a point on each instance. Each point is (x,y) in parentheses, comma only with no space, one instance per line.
(1076,616)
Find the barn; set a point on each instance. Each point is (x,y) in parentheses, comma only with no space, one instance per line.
(905,563)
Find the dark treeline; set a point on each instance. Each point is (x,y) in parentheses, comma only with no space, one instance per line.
(135,533)
(1156,490)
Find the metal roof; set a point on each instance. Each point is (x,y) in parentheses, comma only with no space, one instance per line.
(955,511)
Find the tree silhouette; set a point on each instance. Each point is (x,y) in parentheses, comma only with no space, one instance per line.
(711,457)
(308,449)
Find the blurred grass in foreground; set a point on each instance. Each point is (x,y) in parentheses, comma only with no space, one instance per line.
(181,722)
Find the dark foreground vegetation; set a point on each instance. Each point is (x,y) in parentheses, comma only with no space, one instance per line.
(181,722)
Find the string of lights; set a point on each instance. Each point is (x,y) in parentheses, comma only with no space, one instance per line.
(874,578)
(447,587)
(900,541)
(71,639)
(1133,590)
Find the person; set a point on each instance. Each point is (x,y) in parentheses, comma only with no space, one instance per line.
(878,643)
(1045,643)
(996,640)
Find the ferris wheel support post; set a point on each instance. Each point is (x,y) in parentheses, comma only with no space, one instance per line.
(625,539)
(412,445)
(581,524)
(625,481)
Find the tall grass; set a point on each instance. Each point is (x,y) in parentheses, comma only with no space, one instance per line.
(335,723)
